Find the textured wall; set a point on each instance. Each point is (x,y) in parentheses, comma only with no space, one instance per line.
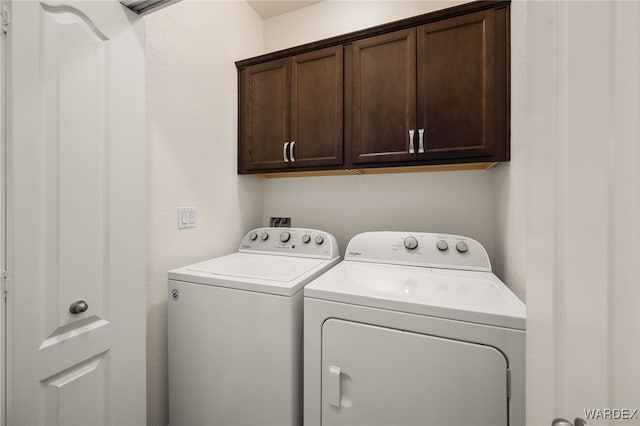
(334,17)
(447,202)
(509,179)
(191,154)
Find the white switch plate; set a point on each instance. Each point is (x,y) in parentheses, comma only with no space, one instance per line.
(187,217)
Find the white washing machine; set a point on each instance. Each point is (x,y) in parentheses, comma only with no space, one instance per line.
(235,330)
(413,329)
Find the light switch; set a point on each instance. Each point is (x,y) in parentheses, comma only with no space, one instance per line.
(187,217)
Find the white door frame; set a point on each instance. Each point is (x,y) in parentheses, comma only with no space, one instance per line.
(583,215)
(4,17)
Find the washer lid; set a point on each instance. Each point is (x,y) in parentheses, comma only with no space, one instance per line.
(254,272)
(471,296)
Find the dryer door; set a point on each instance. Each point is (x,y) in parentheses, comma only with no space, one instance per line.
(380,376)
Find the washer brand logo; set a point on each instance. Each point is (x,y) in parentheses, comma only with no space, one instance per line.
(246,246)
(175,294)
(355,253)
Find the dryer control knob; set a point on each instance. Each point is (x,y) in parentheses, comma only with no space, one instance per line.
(410,243)
(319,240)
(462,247)
(253,236)
(285,236)
(306,238)
(264,236)
(443,245)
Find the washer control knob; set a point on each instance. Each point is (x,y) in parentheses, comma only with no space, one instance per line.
(253,236)
(462,247)
(264,236)
(306,238)
(285,236)
(319,240)
(410,243)
(443,245)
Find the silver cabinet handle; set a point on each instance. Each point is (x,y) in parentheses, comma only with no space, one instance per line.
(293,143)
(420,141)
(284,152)
(411,149)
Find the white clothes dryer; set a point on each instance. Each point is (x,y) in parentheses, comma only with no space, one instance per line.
(235,330)
(413,329)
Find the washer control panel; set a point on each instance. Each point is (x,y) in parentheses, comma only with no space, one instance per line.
(301,242)
(419,249)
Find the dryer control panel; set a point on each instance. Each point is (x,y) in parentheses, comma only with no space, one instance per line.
(419,249)
(301,242)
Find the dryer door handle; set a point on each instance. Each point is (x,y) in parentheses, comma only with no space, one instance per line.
(333,391)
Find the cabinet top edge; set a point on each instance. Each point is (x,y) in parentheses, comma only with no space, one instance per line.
(347,38)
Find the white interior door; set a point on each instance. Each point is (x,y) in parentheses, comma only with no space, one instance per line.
(583,226)
(75,211)
(375,376)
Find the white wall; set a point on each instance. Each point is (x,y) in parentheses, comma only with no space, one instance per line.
(509,178)
(447,202)
(485,205)
(335,17)
(191,154)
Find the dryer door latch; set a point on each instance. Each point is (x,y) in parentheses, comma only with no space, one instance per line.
(333,391)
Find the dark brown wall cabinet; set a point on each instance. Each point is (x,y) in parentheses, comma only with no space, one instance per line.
(291,113)
(428,90)
(383,97)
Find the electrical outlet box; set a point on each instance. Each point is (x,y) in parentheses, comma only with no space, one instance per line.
(280,222)
(187,217)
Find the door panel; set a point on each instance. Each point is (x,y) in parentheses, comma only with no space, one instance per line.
(264,124)
(63,390)
(75,178)
(380,376)
(316,107)
(457,80)
(383,91)
(75,215)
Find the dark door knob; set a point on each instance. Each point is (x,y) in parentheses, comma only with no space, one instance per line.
(78,307)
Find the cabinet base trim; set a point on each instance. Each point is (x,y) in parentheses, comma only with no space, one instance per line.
(380,170)
(433,168)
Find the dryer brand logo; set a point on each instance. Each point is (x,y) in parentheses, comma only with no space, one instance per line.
(355,253)
(175,294)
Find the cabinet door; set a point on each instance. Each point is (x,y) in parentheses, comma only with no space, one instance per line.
(316,108)
(382,90)
(264,115)
(461,86)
